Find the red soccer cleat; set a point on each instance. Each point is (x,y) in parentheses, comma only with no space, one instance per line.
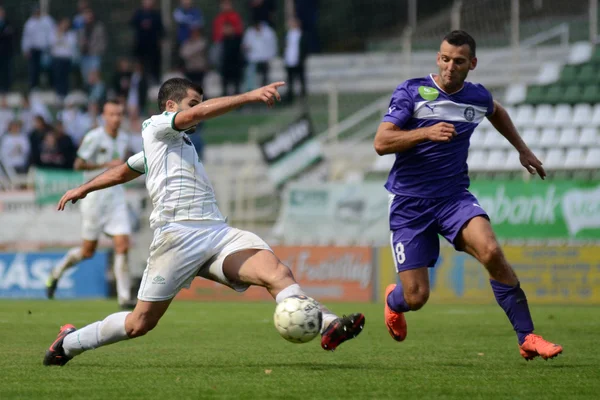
(535,345)
(395,321)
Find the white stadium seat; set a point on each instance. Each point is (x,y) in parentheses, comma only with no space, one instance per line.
(589,137)
(544,113)
(478,138)
(384,163)
(496,160)
(595,120)
(494,140)
(568,137)
(592,158)
(582,115)
(574,158)
(549,137)
(524,115)
(485,124)
(512,161)
(563,115)
(555,159)
(477,160)
(530,136)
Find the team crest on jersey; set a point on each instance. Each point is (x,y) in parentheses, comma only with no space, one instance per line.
(469,114)
(187,140)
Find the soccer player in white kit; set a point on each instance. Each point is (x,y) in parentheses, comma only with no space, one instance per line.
(102,212)
(191,236)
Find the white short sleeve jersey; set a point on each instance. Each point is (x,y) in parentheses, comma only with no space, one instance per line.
(175,178)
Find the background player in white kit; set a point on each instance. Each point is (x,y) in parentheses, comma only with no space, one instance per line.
(106,211)
(191,237)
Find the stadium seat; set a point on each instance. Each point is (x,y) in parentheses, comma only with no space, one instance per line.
(563,115)
(496,160)
(543,114)
(512,161)
(555,94)
(535,95)
(595,120)
(524,114)
(568,74)
(549,138)
(555,159)
(477,160)
(591,94)
(384,163)
(574,158)
(484,124)
(582,114)
(586,75)
(571,95)
(530,136)
(478,138)
(592,158)
(596,56)
(568,137)
(494,140)
(589,137)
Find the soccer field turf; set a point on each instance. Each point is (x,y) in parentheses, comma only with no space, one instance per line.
(232,350)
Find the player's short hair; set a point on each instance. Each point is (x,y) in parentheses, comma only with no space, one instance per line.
(113,102)
(459,38)
(175,89)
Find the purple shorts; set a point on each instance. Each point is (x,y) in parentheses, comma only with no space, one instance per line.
(415,224)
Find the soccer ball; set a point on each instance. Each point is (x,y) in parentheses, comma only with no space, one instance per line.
(298,319)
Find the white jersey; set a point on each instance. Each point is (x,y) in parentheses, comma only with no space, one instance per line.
(98,147)
(175,178)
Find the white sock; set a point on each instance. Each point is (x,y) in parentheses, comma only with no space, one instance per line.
(72,257)
(110,330)
(123,278)
(296,290)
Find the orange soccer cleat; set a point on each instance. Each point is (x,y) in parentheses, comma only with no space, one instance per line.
(395,321)
(535,345)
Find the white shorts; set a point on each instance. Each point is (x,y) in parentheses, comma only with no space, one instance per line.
(180,251)
(111,218)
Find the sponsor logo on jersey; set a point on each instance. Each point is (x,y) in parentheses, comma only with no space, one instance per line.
(428,93)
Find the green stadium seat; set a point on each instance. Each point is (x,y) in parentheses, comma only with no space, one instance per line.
(555,94)
(591,94)
(587,74)
(535,95)
(572,94)
(596,55)
(568,73)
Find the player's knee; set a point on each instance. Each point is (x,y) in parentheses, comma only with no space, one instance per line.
(492,254)
(87,253)
(141,326)
(281,276)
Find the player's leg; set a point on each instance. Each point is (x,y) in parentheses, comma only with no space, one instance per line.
(73,257)
(477,239)
(121,269)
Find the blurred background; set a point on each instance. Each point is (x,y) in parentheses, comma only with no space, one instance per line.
(304,175)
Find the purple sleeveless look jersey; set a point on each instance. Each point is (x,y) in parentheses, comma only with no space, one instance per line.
(428,183)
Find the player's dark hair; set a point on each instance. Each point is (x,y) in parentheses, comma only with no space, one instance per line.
(114,102)
(459,38)
(175,89)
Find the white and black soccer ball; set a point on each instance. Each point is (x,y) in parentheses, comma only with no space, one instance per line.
(298,319)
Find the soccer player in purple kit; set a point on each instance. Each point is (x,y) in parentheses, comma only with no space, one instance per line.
(428,126)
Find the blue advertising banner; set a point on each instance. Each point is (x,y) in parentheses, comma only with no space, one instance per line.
(24,275)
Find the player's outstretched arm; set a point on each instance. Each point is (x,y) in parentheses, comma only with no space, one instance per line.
(503,124)
(391,139)
(112,177)
(222,105)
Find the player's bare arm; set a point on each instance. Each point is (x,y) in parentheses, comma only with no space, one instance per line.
(503,124)
(82,165)
(112,177)
(221,105)
(391,139)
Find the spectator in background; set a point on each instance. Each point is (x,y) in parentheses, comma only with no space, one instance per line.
(79,19)
(97,88)
(263,10)
(193,53)
(227,16)
(92,44)
(260,47)
(31,106)
(121,81)
(187,17)
(57,149)
(148,29)
(232,61)
(6,115)
(36,138)
(307,11)
(75,121)
(63,49)
(35,44)
(137,96)
(7,37)
(296,50)
(15,147)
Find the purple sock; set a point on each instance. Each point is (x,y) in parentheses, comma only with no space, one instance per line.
(395,300)
(513,301)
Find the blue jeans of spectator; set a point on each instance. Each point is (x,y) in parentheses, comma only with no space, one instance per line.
(61,67)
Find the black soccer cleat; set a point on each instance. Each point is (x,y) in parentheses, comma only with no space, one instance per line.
(55,355)
(342,329)
(51,285)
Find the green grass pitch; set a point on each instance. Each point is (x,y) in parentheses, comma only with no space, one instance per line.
(232,351)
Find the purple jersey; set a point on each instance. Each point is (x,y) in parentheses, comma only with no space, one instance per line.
(433,170)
